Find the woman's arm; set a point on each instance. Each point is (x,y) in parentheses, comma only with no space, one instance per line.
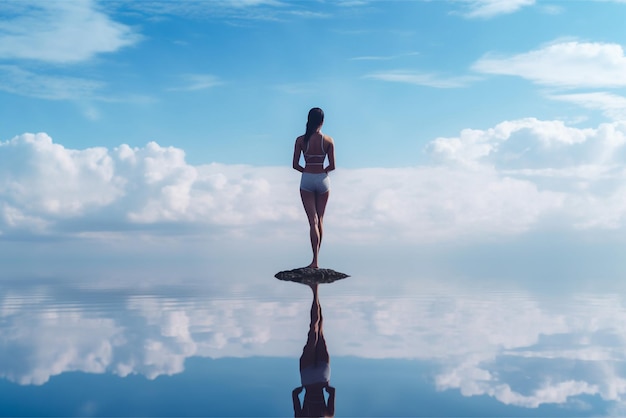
(297,409)
(331,155)
(331,401)
(297,148)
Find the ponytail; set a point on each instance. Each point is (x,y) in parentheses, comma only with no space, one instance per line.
(314,121)
(309,131)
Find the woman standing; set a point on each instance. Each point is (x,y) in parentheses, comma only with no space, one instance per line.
(315,183)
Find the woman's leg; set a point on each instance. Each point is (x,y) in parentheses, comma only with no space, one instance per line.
(321,351)
(320,207)
(308,357)
(309,201)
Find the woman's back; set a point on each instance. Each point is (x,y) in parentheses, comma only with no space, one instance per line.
(315,151)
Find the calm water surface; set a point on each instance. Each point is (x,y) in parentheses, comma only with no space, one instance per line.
(415,347)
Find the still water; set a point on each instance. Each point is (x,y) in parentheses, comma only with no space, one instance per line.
(422,347)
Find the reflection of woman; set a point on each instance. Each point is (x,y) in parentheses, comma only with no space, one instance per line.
(315,183)
(315,370)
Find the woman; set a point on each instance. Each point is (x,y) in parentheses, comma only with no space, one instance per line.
(315,183)
(314,370)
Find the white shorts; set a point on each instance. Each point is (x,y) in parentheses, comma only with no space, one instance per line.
(315,374)
(315,182)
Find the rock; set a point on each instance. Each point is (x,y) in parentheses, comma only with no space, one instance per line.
(308,275)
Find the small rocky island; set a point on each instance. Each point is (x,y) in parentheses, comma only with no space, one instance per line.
(307,275)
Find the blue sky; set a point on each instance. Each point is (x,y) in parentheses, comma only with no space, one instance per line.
(458,124)
(231,82)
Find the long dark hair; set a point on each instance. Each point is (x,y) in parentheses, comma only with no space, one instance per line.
(314,120)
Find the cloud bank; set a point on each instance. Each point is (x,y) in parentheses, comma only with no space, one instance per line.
(508,179)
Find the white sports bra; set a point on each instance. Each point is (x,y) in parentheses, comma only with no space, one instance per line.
(315,159)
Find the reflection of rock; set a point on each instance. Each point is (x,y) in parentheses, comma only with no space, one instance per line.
(308,275)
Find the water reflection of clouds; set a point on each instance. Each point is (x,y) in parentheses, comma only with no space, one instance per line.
(150,335)
(556,355)
(38,345)
(509,345)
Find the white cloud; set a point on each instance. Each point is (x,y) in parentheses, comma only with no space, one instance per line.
(502,180)
(151,185)
(54,180)
(612,106)
(421,79)
(491,8)
(61,32)
(534,144)
(570,64)
(435,203)
(584,165)
(154,186)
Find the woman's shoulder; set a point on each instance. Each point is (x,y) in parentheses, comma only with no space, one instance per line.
(328,140)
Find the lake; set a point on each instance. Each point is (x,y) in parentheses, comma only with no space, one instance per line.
(413,346)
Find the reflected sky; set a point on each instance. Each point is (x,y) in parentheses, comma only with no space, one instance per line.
(450,347)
